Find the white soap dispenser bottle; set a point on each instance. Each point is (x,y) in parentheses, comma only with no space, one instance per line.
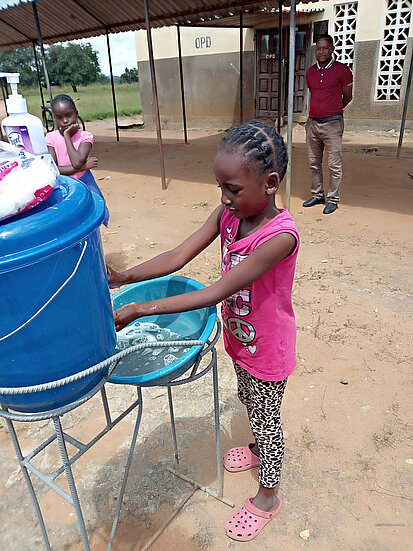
(22,129)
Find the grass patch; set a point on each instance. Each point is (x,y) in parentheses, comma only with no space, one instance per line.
(216,272)
(366,464)
(384,439)
(93,101)
(308,439)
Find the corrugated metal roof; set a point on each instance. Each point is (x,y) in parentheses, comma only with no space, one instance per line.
(257,17)
(62,20)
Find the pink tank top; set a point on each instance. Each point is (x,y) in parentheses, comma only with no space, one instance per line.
(259,321)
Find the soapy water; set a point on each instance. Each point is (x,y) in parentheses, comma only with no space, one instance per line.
(148,359)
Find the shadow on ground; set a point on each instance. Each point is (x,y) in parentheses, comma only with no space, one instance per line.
(373,179)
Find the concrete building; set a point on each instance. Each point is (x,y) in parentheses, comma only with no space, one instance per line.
(373,37)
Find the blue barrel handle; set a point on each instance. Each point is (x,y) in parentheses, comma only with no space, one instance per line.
(51,298)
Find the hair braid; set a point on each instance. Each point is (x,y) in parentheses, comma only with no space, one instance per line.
(258,143)
(62,98)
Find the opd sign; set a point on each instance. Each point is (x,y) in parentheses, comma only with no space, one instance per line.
(203,42)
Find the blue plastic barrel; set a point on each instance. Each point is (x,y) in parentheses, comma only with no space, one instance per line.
(39,250)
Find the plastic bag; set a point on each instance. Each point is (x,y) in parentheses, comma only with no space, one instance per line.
(25,179)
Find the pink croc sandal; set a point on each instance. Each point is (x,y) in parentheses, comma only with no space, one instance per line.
(248,522)
(240,459)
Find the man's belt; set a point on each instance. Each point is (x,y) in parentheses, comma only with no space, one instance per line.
(328,119)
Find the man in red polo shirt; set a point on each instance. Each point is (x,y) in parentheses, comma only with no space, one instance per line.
(331,86)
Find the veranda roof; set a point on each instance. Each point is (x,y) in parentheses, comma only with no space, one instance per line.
(63,20)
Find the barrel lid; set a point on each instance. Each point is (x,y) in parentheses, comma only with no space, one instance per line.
(68,215)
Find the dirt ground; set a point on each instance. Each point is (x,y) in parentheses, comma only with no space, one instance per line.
(348,469)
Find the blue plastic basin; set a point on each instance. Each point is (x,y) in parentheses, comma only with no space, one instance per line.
(38,252)
(193,325)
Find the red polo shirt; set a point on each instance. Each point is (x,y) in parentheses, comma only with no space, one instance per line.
(326,87)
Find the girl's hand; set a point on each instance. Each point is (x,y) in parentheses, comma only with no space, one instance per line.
(71,130)
(125,315)
(92,162)
(115,279)
(131,312)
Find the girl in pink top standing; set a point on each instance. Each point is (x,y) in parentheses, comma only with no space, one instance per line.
(70,146)
(259,244)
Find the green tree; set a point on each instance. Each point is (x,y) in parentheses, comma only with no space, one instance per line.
(20,61)
(74,64)
(129,76)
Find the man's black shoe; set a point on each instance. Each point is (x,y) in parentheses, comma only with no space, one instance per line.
(330,207)
(314,201)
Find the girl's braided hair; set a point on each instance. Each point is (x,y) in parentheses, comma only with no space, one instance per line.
(61,98)
(260,143)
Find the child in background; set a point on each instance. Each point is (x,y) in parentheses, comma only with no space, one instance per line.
(70,147)
(259,244)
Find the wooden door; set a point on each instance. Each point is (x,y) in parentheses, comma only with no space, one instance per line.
(302,41)
(266,102)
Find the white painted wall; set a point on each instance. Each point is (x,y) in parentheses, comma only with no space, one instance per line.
(194,41)
(370,20)
(370,17)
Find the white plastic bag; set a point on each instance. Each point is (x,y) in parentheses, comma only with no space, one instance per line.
(25,179)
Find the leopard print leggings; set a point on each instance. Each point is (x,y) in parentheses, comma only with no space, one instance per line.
(263,402)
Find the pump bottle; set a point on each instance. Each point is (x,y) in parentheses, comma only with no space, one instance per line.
(22,129)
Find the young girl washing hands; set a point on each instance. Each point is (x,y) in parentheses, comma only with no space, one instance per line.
(259,244)
(70,147)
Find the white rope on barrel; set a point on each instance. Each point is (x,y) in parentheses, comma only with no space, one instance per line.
(50,299)
(113,359)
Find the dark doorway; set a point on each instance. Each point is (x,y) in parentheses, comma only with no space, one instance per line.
(266,100)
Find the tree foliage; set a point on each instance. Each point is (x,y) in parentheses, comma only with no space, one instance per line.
(74,64)
(20,61)
(129,76)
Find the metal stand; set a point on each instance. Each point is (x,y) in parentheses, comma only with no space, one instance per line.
(194,375)
(63,438)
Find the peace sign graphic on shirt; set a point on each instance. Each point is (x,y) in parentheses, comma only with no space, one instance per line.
(242,330)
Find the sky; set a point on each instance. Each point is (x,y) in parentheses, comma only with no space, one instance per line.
(122,48)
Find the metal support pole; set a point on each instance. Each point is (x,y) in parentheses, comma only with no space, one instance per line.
(172,416)
(406,102)
(5,106)
(241,68)
(26,477)
(280,62)
(291,65)
(127,469)
(309,65)
(71,481)
(181,76)
(39,34)
(4,93)
(155,92)
(106,406)
(217,427)
(168,521)
(115,111)
(39,78)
